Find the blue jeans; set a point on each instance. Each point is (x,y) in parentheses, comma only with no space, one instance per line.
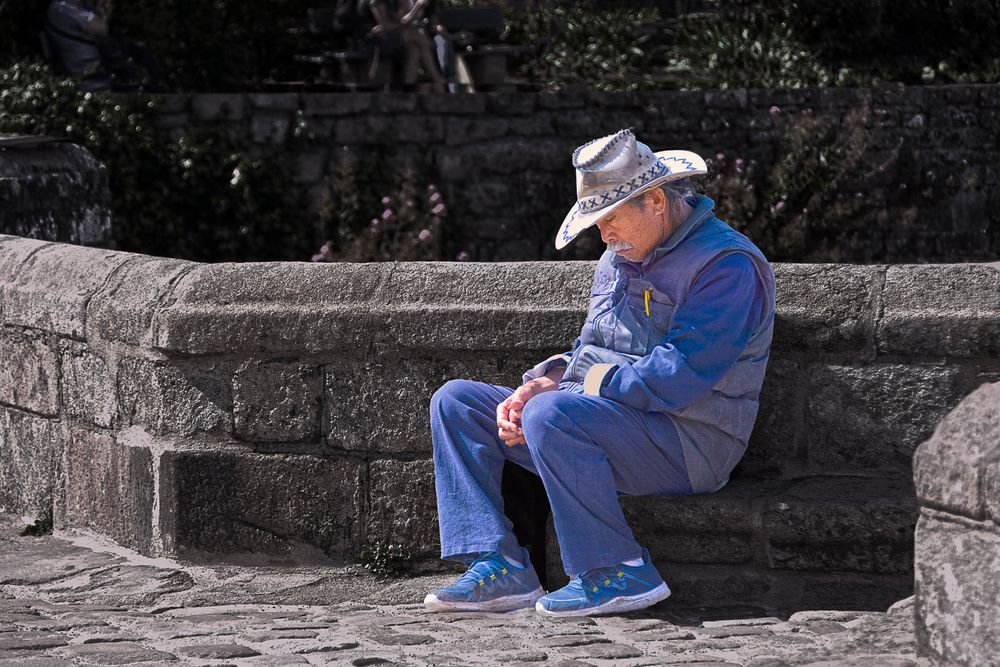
(587,450)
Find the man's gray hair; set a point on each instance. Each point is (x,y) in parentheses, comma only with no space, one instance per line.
(675,191)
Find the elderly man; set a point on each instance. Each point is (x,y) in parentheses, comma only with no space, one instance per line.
(657,397)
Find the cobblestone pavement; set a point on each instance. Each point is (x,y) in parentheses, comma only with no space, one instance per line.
(74,599)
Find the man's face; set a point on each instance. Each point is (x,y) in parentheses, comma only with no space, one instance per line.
(632,230)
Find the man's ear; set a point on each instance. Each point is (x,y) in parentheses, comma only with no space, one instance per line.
(658,199)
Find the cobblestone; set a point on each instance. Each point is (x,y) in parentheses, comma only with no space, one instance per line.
(176,613)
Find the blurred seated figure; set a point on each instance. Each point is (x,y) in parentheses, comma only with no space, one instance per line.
(77,31)
(399,30)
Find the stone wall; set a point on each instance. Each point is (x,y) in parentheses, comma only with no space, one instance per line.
(186,408)
(54,191)
(957,473)
(503,160)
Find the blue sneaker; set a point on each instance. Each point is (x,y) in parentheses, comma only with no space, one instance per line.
(490,584)
(607,590)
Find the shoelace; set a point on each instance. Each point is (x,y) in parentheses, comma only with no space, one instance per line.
(482,568)
(598,578)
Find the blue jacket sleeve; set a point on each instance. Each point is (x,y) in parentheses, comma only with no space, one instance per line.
(710,330)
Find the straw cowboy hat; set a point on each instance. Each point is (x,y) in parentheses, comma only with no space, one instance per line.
(613,169)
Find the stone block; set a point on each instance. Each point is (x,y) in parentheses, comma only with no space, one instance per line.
(823,307)
(275,101)
(774,446)
(218,106)
(52,287)
(232,501)
(396,102)
(949,467)
(474,103)
(843,525)
(945,310)
(109,488)
(412,523)
(862,418)
(727,99)
(956,579)
(335,104)
(14,251)
(124,309)
(277,402)
(382,404)
(30,452)
(419,129)
(512,104)
(29,374)
(87,388)
(249,307)
(164,398)
(564,99)
(270,128)
(458,130)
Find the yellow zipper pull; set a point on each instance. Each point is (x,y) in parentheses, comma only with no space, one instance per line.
(646,299)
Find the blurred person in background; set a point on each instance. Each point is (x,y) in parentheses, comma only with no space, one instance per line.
(79,34)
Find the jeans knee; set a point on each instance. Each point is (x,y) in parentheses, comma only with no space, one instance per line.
(545,408)
(449,395)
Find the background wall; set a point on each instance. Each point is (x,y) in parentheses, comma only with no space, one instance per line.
(918,181)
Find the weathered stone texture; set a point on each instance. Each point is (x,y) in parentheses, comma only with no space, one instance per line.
(56,192)
(87,388)
(29,374)
(109,488)
(30,451)
(52,287)
(872,417)
(941,311)
(277,402)
(949,467)
(124,308)
(382,405)
(166,399)
(957,579)
(230,501)
(412,522)
(774,446)
(823,307)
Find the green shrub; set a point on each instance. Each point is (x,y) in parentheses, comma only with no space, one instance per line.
(742,46)
(607,50)
(205,196)
(797,210)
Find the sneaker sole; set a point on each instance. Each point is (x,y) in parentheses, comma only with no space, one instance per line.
(508,603)
(614,605)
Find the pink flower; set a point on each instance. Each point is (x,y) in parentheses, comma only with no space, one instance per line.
(775,109)
(317,258)
(440,209)
(388,214)
(463,256)
(424,234)
(779,207)
(720,156)
(434,198)
(386,200)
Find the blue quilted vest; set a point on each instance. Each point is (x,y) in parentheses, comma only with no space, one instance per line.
(715,428)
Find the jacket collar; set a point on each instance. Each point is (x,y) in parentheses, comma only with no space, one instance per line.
(702,211)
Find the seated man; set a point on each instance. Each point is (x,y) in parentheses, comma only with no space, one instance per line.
(657,397)
(79,34)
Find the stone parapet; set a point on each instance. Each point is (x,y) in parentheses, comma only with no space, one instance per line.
(53,190)
(957,578)
(187,408)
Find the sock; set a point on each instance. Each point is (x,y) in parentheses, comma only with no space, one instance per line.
(635,562)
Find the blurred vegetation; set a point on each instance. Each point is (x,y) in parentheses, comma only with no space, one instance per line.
(205,195)
(602,44)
